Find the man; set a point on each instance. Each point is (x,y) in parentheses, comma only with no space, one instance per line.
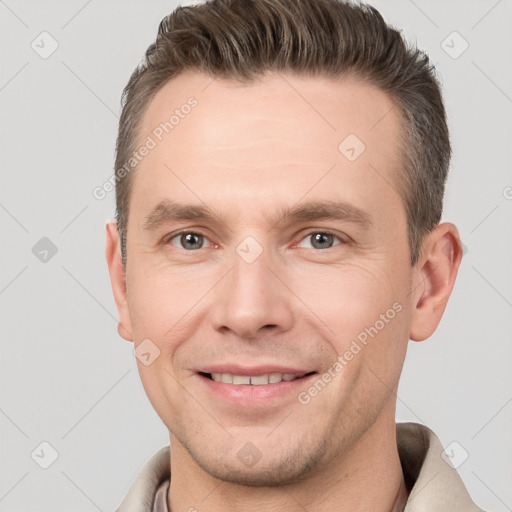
(280,171)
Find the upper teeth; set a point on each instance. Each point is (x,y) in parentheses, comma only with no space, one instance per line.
(270,378)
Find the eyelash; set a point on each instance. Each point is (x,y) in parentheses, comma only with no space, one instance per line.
(167,240)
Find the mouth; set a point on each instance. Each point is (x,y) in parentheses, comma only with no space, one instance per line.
(255,390)
(254,380)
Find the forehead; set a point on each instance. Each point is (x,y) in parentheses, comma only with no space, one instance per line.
(327,109)
(276,135)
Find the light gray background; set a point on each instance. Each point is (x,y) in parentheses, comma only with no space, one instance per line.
(68,379)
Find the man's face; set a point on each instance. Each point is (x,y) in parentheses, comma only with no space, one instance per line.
(254,292)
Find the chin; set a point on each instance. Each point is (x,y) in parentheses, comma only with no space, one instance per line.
(271,470)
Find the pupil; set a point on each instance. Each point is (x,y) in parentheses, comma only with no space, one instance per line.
(323,239)
(189,237)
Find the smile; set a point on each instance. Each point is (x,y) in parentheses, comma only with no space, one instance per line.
(254,389)
(254,380)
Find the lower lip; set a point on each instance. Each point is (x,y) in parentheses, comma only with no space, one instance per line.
(252,396)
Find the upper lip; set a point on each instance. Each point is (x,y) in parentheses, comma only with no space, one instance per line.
(233,369)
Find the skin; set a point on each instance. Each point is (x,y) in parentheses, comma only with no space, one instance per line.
(245,152)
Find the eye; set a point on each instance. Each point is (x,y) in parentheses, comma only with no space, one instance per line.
(321,240)
(188,240)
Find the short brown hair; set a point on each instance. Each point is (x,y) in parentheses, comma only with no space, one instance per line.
(243,39)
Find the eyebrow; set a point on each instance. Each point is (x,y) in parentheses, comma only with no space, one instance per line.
(326,210)
(168,211)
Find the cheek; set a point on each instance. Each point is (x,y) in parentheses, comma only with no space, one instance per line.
(350,297)
(159,300)
(367,316)
(157,308)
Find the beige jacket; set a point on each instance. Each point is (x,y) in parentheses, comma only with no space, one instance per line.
(434,483)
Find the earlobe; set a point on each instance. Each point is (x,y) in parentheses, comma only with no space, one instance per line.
(435,275)
(123,332)
(118,279)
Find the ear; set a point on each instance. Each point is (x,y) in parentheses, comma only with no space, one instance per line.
(434,277)
(118,279)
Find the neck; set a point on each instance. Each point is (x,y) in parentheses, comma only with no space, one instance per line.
(366,477)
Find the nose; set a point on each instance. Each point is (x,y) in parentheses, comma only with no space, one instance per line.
(251,301)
